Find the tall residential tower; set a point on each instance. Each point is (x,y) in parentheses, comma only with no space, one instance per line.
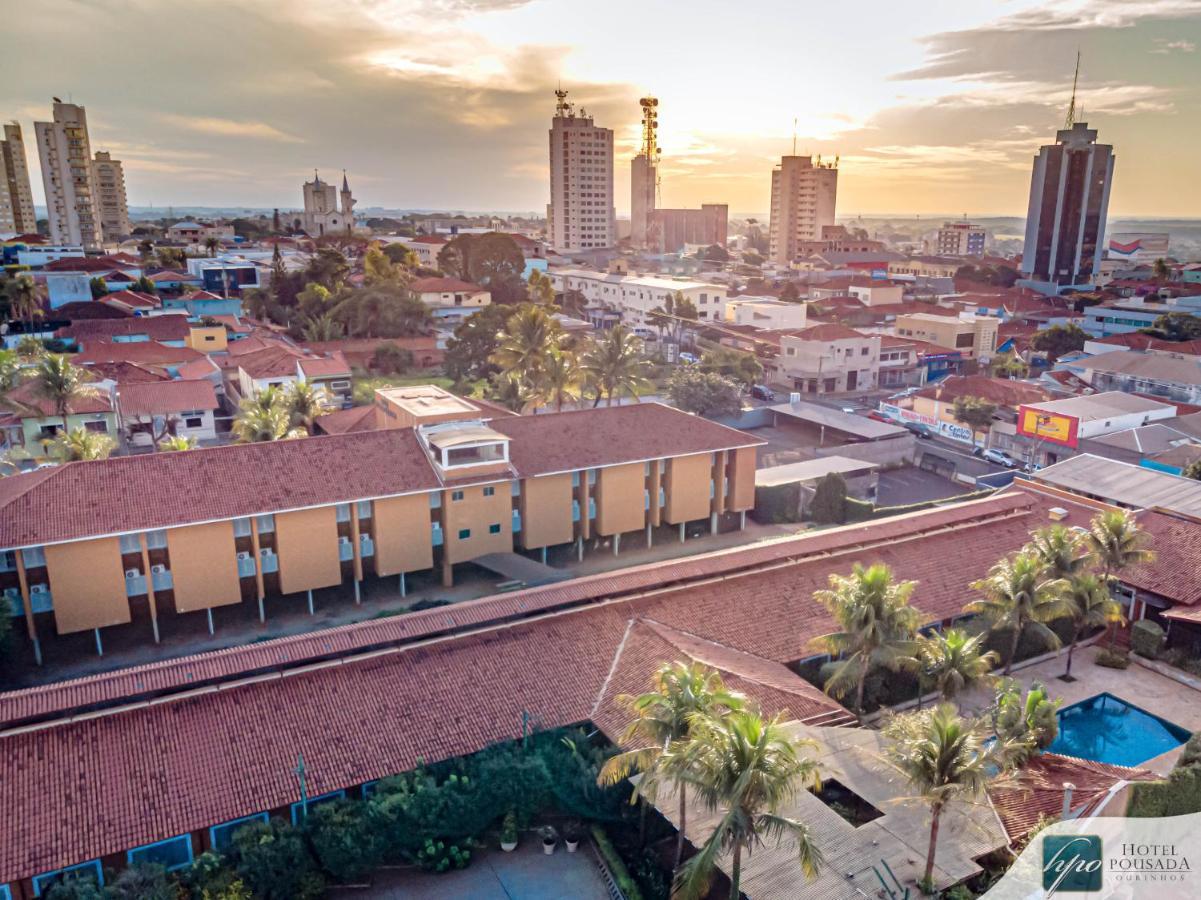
(110,195)
(16,195)
(803,195)
(72,204)
(580,215)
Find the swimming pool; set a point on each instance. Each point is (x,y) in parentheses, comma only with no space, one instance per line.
(1107,729)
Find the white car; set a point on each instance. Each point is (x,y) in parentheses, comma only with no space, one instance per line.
(1000,457)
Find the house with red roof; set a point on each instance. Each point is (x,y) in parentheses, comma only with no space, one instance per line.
(92,409)
(151,410)
(450,298)
(256,364)
(828,359)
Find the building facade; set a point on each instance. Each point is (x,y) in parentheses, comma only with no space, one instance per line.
(960,239)
(673,229)
(803,196)
(973,336)
(68,176)
(828,359)
(580,215)
(16,194)
(632,298)
(1069,204)
(322,215)
(110,193)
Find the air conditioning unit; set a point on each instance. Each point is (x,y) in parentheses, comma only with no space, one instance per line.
(343,539)
(243,555)
(364,538)
(133,573)
(266,551)
(159,569)
(39,589)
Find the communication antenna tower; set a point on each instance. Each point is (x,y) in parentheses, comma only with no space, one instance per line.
(562,108)
(1071,119)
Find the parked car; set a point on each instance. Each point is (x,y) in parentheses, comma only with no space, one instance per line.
(999,457)
(879,416)
(687,358)
(762,392)
(922,431)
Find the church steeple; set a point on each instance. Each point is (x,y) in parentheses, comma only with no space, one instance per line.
(345,183)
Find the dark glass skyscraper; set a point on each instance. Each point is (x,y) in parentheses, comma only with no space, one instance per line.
(1069,201)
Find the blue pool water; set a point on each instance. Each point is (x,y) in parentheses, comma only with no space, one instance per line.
(1107,729)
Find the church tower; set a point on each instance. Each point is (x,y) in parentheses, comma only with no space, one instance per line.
(347,204)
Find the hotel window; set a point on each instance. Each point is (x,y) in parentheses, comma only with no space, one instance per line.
(222,836)
(298,809)
(456,495)
(494,528)
(265,523)
(173,853)
(363,507)
(464,534)
(241,528)
(42,883)
(156,540)
(34,556)
(490,491)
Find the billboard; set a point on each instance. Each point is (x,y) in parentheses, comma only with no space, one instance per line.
(1138,247)
(1047,426)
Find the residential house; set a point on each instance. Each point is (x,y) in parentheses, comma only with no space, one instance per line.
(1049,431)
(972,335)
(206,303)
(766,313)
(450,298)
(132,302)
(151,410)
(278,363)
(618,296)
(40,422)
(934,406)
(826,359)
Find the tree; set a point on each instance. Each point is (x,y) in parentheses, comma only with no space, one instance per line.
(614,365)
(274,861)
(171,257)
(75,887)
(1021,596)
(974,412)
(328,268)
(493,260)
(878,627)
(255,424)
(385,310)
(540,287)
(1090,605)
(389,359)
(80,444)
(1031,719)
(672,316)
(346,843)
(378,268)
(829,504)
(679,694)
(944,758)
(176,443)
(528,337)
(211,244)
(1008,365)
(401,255)
(304,401)
(714,253)
(315,300)
(509,391)
(145,286)
(790,293)
(1059,340)
(952,662)
(1160,270)
(1192,470)
(24,300)
(703,393)
(10,370)
(747,769)
(98,287)
(59,382)
(144,881)
(1176,326)
(469,350)
(742,367)
(560,379)
(323,327)
(1115,541)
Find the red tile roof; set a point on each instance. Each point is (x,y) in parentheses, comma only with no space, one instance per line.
(357,719)
(1136,340)
(78,311)
(131,299)
(1176,572)
(344,421)
(269,362)
(170,275)
(198,368)
(168,327)
(92,264)
(325,367)
(152,398)
(1001,391)
(442,285)
(831,332)
(25,400)
(141,352)
(201,295)
(430,239)
(128,373)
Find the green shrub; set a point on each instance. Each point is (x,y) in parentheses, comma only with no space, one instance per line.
(274,861)
(146,881)
(1146,638)
(210,878)
(859,510)
(1178,795)
(346,842)
(829,504)
(613,860)
(389,359)
(82,887)
(1191,754)
(438,856)
(1112,659)
(777,504)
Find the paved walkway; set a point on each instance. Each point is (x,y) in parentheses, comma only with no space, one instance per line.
(525,874)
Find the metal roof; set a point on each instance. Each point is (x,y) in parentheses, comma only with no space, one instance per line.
(860,426)
(810,470)
(1124,484)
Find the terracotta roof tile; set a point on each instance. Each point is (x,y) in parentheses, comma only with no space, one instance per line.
(442,285)
(1001,391)
(828,333)
(24,399)
(141,352)
(161,397)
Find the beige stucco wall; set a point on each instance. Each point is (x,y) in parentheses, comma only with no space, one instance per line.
(687,488)
(401,530)
(87,582)
(742,480)
(476,512)
(546,511)
(620,493)
(204,566)
(307,544)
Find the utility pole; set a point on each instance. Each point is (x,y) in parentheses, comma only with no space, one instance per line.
(304,794)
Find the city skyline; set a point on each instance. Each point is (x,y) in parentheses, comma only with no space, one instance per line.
(933,110)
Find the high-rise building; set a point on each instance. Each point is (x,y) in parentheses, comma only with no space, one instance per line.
(72,205)
(644,177)
(110,194)
(321,212)
(580,214)
(803,195)
(960,239)
(16,194)
(1069,203)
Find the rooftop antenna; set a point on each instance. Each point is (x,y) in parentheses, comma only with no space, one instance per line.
(794,135)
(1071,120)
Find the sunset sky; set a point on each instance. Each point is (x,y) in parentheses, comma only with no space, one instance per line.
(933,107)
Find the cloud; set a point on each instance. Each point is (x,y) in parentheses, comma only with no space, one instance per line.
(1164,46)
(229,128)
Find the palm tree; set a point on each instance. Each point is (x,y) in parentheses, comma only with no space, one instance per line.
(509,391)
(944,757)
(1031,722)
(541,288)
(527,339)
(748,769)
(614,365)
(662,716)
(81,444)
(560,379)
(24,300)
(256,424)
(60,382)
(174,443)
(211,244)
(877,624)
(304,401)
(1115,541)
(1019,595)
(322,328)
(952,662)
(1090,605)
(10,370)
(1061,551)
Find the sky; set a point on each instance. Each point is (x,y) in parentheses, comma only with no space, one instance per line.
(931,107)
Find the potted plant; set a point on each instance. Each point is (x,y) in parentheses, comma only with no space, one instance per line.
(549,839)
(572,832)
(508,832)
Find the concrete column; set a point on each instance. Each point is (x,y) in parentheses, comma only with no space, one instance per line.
(544,556)
(30,625)
(649,536)
(402,584)
(354,540)
(357,596)
(149,584)
(309,595)
(682,532)
(580,548)
(742,520)
(616,543)
(209,613)
(713,523)
(99,643)
(448,572)
(258,567)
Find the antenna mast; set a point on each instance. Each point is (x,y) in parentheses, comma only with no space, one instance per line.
(1071,119)
(794,135)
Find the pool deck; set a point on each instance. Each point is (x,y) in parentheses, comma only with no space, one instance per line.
(1138,685)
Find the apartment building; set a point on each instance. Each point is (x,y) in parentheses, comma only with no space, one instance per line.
(960,239)
(72,198)
(442,486)
(580,215)
(803,196)
(974,336)
(826,359)
(16,194)
(110,194)
(633,297)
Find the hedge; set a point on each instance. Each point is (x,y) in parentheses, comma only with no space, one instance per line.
(613,860)
(1146,638)
(1177,795)
(862,510)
